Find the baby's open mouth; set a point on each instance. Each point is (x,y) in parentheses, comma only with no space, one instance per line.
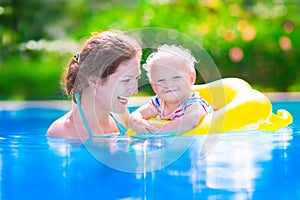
(169,91)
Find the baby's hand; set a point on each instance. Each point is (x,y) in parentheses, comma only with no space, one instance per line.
(142,126)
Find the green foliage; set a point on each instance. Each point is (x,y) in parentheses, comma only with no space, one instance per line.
(254,40)
(37,78)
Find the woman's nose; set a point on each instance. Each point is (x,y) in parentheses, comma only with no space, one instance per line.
(135,91)
(134,87)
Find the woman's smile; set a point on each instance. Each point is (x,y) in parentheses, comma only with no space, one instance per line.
(123,100)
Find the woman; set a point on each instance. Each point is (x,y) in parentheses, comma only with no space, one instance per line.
(100,78)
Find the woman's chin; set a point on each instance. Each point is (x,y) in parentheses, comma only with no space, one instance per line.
(120,109)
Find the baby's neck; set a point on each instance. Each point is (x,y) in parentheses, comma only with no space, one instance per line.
(170,107)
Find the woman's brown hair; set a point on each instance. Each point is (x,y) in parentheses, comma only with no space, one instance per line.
(101,55)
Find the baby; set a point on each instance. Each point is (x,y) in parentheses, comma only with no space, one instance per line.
(171,74)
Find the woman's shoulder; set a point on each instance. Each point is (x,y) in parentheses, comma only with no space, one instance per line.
(56,128)
(62,127)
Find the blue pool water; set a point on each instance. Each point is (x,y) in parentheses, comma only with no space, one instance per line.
(237,165)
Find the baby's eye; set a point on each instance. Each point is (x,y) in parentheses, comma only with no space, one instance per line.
(177,77)
(137,78)
(160,80)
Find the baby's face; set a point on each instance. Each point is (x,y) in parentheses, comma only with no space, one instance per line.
(171,79)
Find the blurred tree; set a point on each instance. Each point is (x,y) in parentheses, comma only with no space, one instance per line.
(255,40)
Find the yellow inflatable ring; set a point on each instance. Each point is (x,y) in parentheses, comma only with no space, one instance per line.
(238,107)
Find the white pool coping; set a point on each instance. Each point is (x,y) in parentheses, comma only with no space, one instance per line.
(133,101)
(58,104)
(283,96)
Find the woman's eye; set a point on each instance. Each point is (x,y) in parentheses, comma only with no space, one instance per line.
(125,80)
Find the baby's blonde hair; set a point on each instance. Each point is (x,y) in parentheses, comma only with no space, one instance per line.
(166,50)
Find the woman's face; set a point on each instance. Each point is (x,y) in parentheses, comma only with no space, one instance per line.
(113,93)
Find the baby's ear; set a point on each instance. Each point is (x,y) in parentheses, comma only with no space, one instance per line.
(93,81)
(193,78)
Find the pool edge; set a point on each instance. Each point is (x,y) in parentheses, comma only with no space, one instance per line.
(133,101)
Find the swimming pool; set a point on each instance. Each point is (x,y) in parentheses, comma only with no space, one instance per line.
(241,165)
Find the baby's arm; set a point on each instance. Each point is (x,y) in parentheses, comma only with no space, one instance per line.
(191,118)
(138,120)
